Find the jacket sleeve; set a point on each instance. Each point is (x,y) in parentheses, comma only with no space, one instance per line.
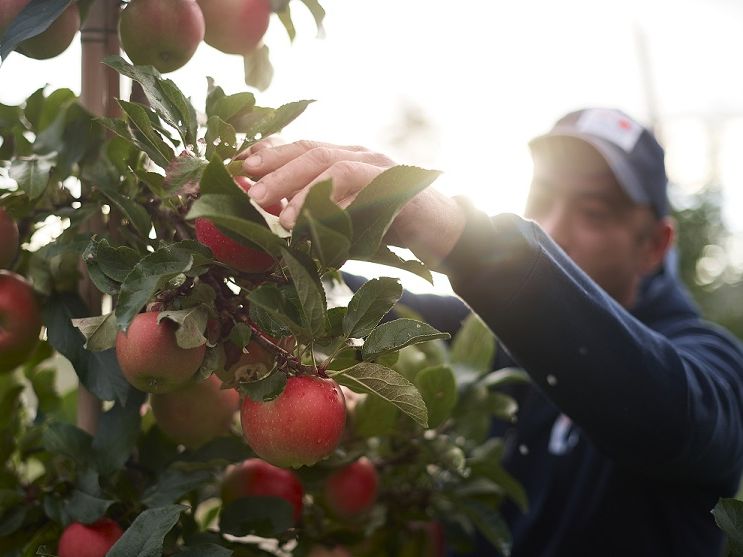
(669,404)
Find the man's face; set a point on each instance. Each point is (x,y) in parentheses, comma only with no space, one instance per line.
(575,198)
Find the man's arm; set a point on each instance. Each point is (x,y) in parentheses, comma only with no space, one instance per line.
(667,403)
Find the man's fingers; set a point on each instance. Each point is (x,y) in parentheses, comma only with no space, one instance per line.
(273,141)
(292,176)
(348,178)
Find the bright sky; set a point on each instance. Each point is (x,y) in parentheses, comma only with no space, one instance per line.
(484,77)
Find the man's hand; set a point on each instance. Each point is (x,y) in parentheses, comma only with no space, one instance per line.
(429,225)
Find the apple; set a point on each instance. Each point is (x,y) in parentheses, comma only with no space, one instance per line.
(255,360)
(50,42)
(161,33)
(150,357)
(20,320)
(235,26)
(89,540)
(230,252)
(257,478)
(352,490)
(197,413)
(8,239)
(301,426)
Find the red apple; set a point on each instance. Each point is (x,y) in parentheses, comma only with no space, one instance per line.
(93,540)
(161,33)
(301,426)
(257,478)
(235,26)
(197,413)
(230,252)
(150,358)
(49,43)
(20,320)
(352,490)
(8,239)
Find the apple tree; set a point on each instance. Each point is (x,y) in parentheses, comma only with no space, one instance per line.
(248,402)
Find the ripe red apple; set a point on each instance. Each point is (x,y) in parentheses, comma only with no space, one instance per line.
(197,413)
(150,358)
(93,540)
(257,478)
(230,252)
(301,426)
(8,239)
(161,33)
(352,490)
(49,43)
(235,26)
(20,320)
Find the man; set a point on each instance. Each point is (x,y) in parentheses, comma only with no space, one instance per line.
(633,426)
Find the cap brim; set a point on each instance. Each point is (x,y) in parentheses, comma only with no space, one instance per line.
(614,156)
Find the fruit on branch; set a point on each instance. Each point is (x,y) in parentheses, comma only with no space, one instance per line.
(197,413)
(235,26)
(257,478)
(231,252)
(161,33)
(20,320)
(89,540)
(255,361)
(352,490)
(150,357)
(301,426)
(50,42)
(8,239)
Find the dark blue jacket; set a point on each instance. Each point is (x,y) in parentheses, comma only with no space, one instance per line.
(633,426)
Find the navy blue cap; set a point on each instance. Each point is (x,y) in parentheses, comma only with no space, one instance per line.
(633,154)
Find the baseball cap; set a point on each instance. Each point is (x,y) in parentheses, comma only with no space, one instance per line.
(633,154)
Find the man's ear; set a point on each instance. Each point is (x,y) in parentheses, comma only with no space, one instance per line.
(660,241)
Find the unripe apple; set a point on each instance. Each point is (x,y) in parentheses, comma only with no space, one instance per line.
(197,413)
(257,478)
(8,239)
(20,320)
(230,252)
(352,490)
(150,357)
(301,426)
(235,26)
(49,43)
(161,33)
(89,540)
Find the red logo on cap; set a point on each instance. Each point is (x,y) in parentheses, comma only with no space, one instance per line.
(625,124)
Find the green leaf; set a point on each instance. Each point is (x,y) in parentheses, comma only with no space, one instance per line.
(505,376)
(269,121)
(174,484)
(240,335)
(191,325)
(326,225)
(385,256)
(274,302)
(285,16)
(152,271)
(98,371)
(397,334)
(164,97)
(369,305)
(108,266)
(146,536)
(86,508)
(439,390)
(262,516)
(99,332)
(502,406)
(141,124)
(377,205)
(473,346)
(182,170)
(485,462)
(375,417)
(490,524)
(728,515)
(387,384)
(230,108)
(68,440)
(265,389)
(258,68)
(220,139)
(135,213)
(116,436)
(32,174)
(318,12)
(312,303)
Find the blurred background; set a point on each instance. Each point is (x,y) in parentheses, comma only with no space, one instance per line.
(462,87)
